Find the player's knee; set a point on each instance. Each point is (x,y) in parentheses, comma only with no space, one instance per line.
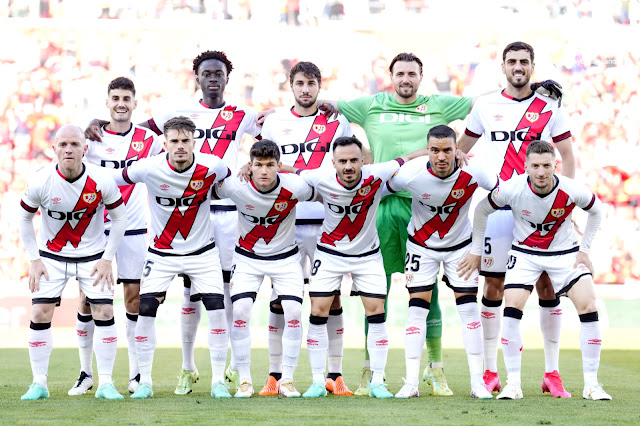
(585,306)
(545,290)
(292,308)
(148,306)
(213,302)
(493,288)
(101,311)
(41,313)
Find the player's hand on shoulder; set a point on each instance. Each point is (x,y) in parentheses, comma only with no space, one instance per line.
(93,131)
(244,174)
(466,266)
(36,270)
(262,115)
(583,258)
(548,88)
(103,271)
(329,110)
(462,159)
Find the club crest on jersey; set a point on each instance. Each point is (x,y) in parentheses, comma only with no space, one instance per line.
(196,184)
(557,212)
(488,262)
(226,115)
(364,190)
(457,193)
(422,108)
(89,198)
(319,128)
(532,116)
(137,146)
(280,206)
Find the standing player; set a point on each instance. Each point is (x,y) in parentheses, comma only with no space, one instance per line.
(305,138)
(544,240)
(179,184)
(440,232)
(72,197)
(219,131)
(266,247)
(122,145)
(349,244)
(509,121)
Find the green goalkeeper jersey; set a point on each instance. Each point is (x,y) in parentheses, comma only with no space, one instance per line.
(395,129)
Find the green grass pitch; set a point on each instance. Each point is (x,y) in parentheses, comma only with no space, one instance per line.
(619,371)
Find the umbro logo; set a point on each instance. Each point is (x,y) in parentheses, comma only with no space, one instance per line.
(249,207)
(555,312)
(526,213)
(474,325)
(334,196)
(412,330)
(594,342)
(239,324)
(218,331)
(383,342)
(504,341)
(498,117)
(311,342)
(164,187)
(81,333)
(340,331)
(110,340)
(37,344)
(286,132)
(488,315)
(426,196)
(110,150)
(294,324)
(273,329)
(188,311)
(140,339)
(56,200)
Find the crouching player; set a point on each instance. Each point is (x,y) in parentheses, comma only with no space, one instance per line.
(440,232)
(266,247)
(72,196)
(544,240)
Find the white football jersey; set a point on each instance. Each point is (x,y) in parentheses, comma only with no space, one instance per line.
(510,124)
(543,223)
(349,227)
(305,143)
(72,211)
(120,150)
(179,201)
(266,220)
(440,206)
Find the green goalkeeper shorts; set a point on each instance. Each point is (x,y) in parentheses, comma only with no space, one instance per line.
(394,214)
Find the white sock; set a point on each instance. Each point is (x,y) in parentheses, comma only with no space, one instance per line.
(105,345)
(378,347)
(132,320)
(335,331)
(84,329)
(291,338)
(317,342)
(512,348)
(550,325)
(228,313)
(189,322)
(590,344)
(241,337)
(414,338)
(145,346)
(472,338)
(218,343)
(40,346)
(276,328)
(490,319)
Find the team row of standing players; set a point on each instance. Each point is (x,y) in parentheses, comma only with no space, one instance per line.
(179,184)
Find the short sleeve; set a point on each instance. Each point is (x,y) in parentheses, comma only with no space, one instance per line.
(386,170)
(312,177)
(499,197)
(475,128)
(252,125)
(356,110)
(31,198)
(137,172)
(110,193)
(161,116)
(581,195)
(485,180)
(303,191)
(226,188)
(560,126)
(453,107)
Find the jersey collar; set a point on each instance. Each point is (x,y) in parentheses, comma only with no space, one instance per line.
(516,99)
(298,115)
(181,171)
(550,192)
(116,133)
(210,107)
(74,179)
(352,187)
(455,168)
(269,191)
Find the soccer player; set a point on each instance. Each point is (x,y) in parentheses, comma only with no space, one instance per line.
(179,184)
(509,121)
(349,244)
(266,247)
(440,233)
(220,128)
(543,240)
(72,197)
(122,145)
(305,138)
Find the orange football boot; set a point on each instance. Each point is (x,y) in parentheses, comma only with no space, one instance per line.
(271,388)
(337,387)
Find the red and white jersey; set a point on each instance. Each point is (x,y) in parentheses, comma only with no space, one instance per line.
(440,206)
(349,227)
(305,143)
(72,211)
(120,150)
(179,201)
(510,124)
(543,223)
(266,220)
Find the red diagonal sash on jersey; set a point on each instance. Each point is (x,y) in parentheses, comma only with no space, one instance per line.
(324,133)
(281,208)
(459,195)
(364,199)
(535,121)
(199,186)
(89,201)
(230,120)
(557,215)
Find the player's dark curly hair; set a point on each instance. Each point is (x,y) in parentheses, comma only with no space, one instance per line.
(122,83)
(264,149)
(346,141)
(441,132)
(180,123)
(405,57)
(212,54)
(540,147)
(515,46)
(309,69)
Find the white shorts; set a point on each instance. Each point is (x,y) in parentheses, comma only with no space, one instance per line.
(422,265)
(59,273)
(203,269)
(497,243)
(307,240)
(130,258)
(285,273)
(224,232)
(367,273)
(524,269)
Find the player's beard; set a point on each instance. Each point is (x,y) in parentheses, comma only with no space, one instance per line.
(307,104)
(401,91)
(519,84)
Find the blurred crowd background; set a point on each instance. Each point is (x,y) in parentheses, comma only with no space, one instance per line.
(59,55)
